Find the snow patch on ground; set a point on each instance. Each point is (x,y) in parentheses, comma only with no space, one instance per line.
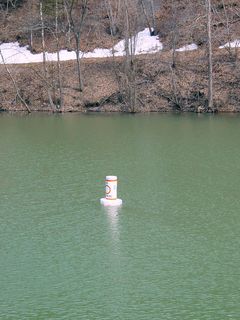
(233,44)
(189,47)
(142,43)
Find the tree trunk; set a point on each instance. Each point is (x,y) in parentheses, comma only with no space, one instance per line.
(130,73)
(45,69)
(69,24)
(76,20)
(210,63)
(146,17)
(80,81)
(113,27)
(173,62)
(228,29)
(153,18)
(58,58)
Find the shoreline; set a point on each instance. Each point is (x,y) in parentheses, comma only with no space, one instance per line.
(88,112)
(105,87)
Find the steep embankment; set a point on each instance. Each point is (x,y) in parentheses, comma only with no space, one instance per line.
(159,82)
(104,85)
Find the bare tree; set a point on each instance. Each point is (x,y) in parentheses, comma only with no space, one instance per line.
(146,16)
(68,33)
(45,68)
(148,9)
(210,62)
(154,32)
(8,4)
(76,13)
(60,89)
(226,20)
(113,10)
(130,63)
(175,90)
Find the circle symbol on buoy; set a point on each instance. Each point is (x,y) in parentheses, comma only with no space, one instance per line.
(108,189)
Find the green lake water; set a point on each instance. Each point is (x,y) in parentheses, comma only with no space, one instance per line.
(172,252)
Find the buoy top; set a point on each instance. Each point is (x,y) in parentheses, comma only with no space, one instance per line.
(111,178)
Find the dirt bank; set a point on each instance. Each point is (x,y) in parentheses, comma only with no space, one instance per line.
(159,85)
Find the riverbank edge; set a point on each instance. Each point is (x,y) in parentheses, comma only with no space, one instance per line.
(159,86)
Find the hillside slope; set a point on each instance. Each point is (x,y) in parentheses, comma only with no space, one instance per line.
(160,82)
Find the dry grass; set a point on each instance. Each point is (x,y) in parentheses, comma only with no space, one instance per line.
(154,84)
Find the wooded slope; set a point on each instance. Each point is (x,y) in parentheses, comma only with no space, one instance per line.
(166,81)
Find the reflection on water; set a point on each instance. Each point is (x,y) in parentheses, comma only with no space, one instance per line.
(113,213)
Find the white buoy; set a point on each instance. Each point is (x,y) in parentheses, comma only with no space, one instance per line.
(111,192)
